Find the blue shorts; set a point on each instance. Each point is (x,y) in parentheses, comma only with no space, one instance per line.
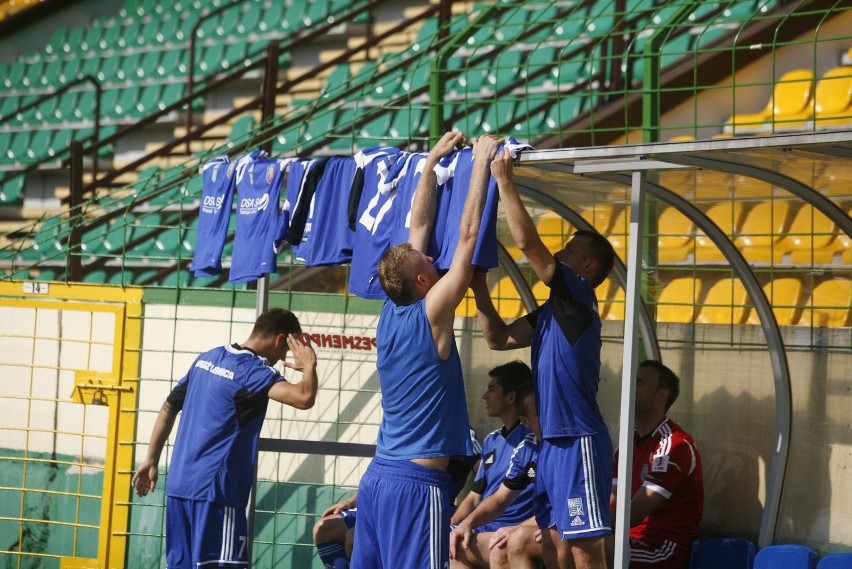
(203,533)
(403,517)
(349,517)
(576,475)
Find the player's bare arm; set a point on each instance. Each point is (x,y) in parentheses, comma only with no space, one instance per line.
(145,478)
(423,207)
(300,395)
(498,335)
(443,298)
(520,223)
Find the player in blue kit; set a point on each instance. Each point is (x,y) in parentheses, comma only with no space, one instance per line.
(516,544)
(403,498)
(575,466)
(506,382)
(223,399)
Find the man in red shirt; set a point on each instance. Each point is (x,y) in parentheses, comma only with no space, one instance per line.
(667,483)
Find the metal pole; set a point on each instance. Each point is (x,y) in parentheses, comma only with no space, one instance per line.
(628,372)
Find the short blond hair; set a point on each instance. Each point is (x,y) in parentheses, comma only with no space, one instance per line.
(397,270)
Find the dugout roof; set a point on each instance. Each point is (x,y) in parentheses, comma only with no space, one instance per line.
(814,168)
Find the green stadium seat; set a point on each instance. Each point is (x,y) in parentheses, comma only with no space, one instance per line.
(172,64)
(171,244)
(8,105)
(73,39)
(176,279)
(169,31)
(108,69)
(408,122)
(242,131)
(500,117)
(12,191)
(32,75)
(38,144)
(54,44)
(249,18)
(149,99)
(60,143)
(50,73)
(115,236)
(235,55)
(126,103)
(131,68)
(209,58)
(96,276)
(128,34)
(110,34)
(18,146)
(506,69)
(14,77)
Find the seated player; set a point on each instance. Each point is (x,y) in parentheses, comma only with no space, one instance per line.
(667,482)
(505,384)
(519,477)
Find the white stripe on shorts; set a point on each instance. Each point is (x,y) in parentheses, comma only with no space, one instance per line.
(662,553)
(227,551)
(595,521)
(434,527)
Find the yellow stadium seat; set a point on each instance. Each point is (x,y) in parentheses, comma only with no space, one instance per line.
(830,304)
(833,98)
(763,229)
(541,292)
(676,236)
(813,238)
(677,300)
(783,294)
(611,300)
(790,97)
(506,299)
(599,216)
(728,216)
(619,233)
(726,303)
(554,232)
(467,308)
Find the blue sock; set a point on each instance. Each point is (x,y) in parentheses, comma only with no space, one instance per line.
(333,555)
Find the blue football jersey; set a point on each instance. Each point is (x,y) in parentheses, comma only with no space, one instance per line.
(214,214)
(223,400)
(375,221)
(326,238)
(485,253)
(259,181)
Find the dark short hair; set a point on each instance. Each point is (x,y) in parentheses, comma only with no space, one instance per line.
(512,376)
(523,393)
(599,248)
(666,379)
(395,271)
(276,321)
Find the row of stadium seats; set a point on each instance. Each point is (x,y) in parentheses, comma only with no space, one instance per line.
(691,300)
(799,102)
(781,232)
(741,553)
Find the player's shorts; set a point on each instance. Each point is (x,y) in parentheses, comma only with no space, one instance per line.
(487,528)
(576,475)
(200,533)
(658,554)
(542,510)
(403,517)
(349,517)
